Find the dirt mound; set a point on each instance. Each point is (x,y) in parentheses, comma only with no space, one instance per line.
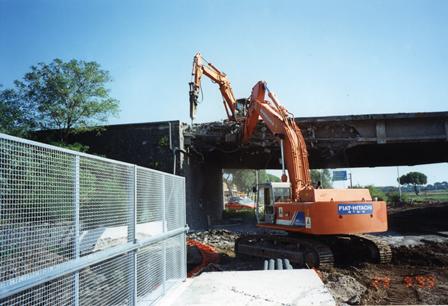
(421,218)
(428,254)
(387,284)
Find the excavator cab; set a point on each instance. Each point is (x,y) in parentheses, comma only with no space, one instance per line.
(267,195)
(241,107)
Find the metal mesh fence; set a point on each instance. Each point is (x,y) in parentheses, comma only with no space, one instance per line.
(174,197)
(175,254)
(150,275)
(56,292)
(150,193)
(76,229)
(36,208)
(106,283)
(106,190)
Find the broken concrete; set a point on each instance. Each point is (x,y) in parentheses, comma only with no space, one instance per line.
(344,288)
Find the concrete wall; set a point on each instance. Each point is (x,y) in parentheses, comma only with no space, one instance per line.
(204,193)
(144,144)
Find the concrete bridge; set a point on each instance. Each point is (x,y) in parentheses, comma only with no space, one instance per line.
(336,141)
(202,151)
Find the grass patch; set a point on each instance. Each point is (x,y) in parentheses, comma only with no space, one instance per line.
(241,214)
(427,196)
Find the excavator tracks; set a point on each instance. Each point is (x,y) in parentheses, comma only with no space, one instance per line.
(380,249)
(349,249)
(316,251)
(300,251)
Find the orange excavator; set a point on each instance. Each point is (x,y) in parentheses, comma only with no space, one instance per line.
(323,225)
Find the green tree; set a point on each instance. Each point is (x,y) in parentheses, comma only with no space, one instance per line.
(245,179)
(272,178)
(68,96)
(414,178)
(14,119)
(227,177)
(394,197)
(375,192)
(323,176)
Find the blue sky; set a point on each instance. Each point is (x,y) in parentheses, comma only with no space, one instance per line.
(320,57)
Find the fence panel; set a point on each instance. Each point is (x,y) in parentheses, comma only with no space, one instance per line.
(77,229)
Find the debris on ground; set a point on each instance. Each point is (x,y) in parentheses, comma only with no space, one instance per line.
(418,273)
(344,288)
(221,239)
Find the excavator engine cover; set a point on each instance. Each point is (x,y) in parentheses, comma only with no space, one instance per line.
(329,218)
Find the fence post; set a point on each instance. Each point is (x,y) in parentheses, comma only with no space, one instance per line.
(77,227)
(164,230)
(132,228)
(184,223)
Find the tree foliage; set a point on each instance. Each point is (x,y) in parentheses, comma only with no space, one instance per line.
(245,179)
(415,179)
(14,119)
(323,176)
(68,96)
(377,193)
(394,197)
(271,178)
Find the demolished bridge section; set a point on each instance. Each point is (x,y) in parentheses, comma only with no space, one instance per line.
(334,142)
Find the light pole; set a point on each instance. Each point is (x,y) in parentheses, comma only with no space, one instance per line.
(398,181)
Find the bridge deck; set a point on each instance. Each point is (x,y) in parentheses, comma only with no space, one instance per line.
(336,141)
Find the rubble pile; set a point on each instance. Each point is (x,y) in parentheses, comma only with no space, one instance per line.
(344,288)
(221,239)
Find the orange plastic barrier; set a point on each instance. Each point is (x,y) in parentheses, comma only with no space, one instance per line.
(209,255)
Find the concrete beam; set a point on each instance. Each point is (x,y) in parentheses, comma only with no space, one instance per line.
(337,141)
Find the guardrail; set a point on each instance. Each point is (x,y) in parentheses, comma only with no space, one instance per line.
(78,229)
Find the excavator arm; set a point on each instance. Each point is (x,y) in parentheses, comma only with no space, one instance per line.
(201,68)
(283,126)
(276,117)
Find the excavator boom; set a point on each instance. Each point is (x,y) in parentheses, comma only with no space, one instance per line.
(201,68)
(282,124)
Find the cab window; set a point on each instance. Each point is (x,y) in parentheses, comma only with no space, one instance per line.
(282,194)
